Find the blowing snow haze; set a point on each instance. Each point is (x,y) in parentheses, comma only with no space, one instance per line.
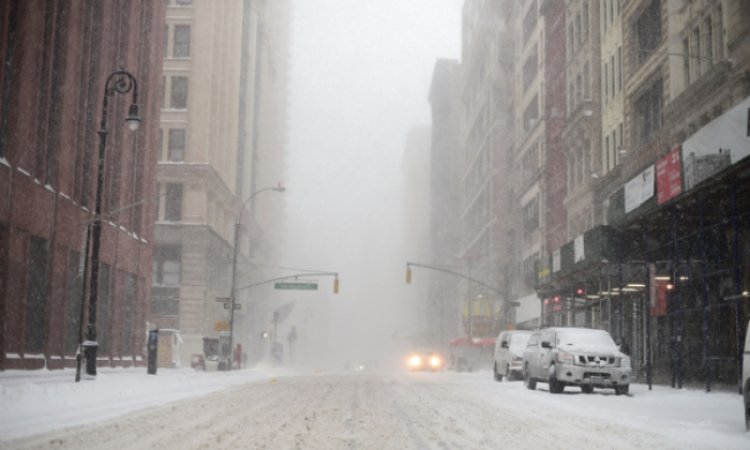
(359,78)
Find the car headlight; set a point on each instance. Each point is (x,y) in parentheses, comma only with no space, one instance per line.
(436,361)
(625,363)
(565,357)
(415,361)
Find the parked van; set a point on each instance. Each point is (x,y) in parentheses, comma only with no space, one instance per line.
(509,348)
(746,378)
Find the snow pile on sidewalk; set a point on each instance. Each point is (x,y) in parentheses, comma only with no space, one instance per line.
(34,402)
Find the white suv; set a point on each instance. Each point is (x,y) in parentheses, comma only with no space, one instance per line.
(575,357)
(509,348)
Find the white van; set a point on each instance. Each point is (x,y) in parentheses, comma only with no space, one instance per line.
(509,348)
(746,378)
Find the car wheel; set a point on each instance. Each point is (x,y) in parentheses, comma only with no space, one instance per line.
(622,390)
(528,381)
(555,387)
(498,377)
(586,389)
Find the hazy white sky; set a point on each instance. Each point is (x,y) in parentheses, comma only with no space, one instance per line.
(360,74)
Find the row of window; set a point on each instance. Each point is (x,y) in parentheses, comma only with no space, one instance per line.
(37,307)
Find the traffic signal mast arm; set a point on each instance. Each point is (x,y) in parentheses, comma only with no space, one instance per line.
(440,269)
(299,275)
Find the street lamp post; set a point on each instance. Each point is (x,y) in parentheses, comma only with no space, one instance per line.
(236,251)
(119,82)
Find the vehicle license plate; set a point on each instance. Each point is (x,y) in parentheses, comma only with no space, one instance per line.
(596,379)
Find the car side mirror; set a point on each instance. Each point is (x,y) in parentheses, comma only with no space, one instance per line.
(504,344)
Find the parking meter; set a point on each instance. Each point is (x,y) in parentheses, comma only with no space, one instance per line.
(152,347)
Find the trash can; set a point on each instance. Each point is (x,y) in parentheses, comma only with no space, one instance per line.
(152,347)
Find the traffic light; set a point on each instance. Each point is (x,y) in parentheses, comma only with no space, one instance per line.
(408,274)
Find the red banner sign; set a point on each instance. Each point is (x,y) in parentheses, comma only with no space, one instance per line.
(668,176)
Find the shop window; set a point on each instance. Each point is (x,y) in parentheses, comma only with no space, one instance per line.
(36,295)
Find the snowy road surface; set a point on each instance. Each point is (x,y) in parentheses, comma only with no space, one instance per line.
(398,411)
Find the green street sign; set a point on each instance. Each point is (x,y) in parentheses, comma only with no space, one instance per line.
(296,285)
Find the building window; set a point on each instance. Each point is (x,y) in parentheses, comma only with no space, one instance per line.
(648,107)
(531,215)
(166,40)
(163,88)
(530,68)
(531,113)
(530,270)
(128,313)
(102,309)
(36,295)
(585,19)
(578,29)
(529,21)
(708,36)
(166,269)
(695,53)
(605,82)
(619,69)
(181,46)
(73,303)
(648,31)
(166,265)
(719,27)
(179,93)
(176,150)
(173,202)
(586,82)
(612,66)
(571,46)
(686,61)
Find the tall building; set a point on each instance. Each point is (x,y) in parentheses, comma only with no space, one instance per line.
(416,237)
(529,156)
(57,57)
(222,141)
(445,231)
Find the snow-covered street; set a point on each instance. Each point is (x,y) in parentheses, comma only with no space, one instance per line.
(277,409)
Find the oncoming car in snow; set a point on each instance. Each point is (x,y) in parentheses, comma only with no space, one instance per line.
(575,357)
(424,360)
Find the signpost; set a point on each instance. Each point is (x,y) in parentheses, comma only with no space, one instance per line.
(303,286)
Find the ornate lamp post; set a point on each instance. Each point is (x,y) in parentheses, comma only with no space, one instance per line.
(237,226)
(119,82)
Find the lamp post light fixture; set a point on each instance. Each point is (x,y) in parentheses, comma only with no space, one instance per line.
(236,251)
(119,82)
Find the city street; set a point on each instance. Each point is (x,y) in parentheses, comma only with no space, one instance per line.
(372,411)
